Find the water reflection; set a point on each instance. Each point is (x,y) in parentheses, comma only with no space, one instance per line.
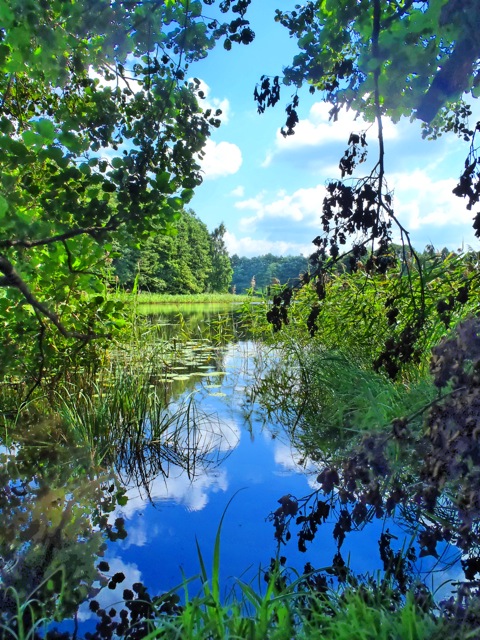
(158,453)
(53,521)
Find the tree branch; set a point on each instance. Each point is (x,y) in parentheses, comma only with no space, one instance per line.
(12,278)
(73,233)
(398,14)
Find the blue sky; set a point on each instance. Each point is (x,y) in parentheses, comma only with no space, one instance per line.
(269,190)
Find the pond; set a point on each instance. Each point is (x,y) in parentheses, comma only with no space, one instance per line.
(159,508)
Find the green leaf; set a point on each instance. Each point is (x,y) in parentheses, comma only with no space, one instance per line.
(187,195)
(4,53)
(196,8)
(117,163)
(3,206)
(70,141)
(45,128)
(6,126)
(55,154)
(175,203)
(31,138)
(162,180)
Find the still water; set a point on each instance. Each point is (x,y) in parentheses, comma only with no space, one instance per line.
(240,464)
(250,466)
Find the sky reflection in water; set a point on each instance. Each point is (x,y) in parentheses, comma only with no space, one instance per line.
(258,467)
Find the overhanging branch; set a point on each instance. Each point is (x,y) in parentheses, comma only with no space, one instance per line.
(72,233)
(11,278)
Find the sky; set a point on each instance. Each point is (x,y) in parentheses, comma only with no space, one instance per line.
(268,190)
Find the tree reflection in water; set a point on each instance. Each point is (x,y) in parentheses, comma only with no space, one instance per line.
(424,478)
(57,515)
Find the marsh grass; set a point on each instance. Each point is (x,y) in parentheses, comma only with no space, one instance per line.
(323,396)
(145,297)
(127,424)
(28,618)
(280,610)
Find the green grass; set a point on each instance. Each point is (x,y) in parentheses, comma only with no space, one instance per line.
(197,298)
(280,610)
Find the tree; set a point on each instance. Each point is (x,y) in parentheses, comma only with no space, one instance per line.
(100,134)
(267,269)
(408,58)
(221,274)
(380,58)
(179,263)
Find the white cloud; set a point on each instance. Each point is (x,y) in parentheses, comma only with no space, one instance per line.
(286,223)
(428,206)
(255,204)
(108,598)
(317,132)
(292,461)
(208,102)
(303,208)
(178,488)
(221,159)
(248,246)
(238,192)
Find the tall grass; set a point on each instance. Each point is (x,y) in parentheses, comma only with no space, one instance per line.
(145,297)
(282,610)
(127,424)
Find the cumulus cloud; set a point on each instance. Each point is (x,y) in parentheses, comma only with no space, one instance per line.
(318,145)
(178,488)
(422,200)
(430,211)
(221,159)
(282,224)
(285,223)
(316,137)
(248,246)
(302,208)
(291,461)
(238,192)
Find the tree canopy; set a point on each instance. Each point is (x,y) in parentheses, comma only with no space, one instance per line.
(404,57)
(383,59)
(100,133)
(192,261)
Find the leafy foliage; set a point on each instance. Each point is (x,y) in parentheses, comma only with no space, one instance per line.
(100,133)
(434,492)
(221,274)
(267,270)
(54,521)
(351,50)
(382,59)
(188,262)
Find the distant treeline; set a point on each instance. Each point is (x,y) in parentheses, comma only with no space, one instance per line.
(189,262)
(195,261)
(262,271)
